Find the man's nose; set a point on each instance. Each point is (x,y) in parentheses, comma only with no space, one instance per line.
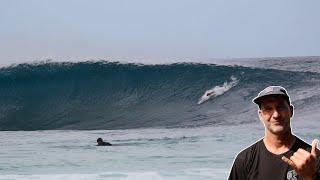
(276,113)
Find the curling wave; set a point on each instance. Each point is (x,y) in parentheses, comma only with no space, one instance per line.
(110,95)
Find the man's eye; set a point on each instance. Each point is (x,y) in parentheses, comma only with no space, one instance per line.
(267,109)
(282,107)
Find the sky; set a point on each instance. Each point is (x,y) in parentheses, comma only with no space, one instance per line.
(156,30)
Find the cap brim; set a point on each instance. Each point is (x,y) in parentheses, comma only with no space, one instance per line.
(258,100)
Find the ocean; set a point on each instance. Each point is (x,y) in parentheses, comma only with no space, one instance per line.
(165,121)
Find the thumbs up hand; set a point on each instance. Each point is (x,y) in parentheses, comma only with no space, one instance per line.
(304,162)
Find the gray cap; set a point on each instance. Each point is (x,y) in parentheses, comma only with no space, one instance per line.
(271,90)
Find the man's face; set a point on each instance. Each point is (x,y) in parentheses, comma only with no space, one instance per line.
(275,113)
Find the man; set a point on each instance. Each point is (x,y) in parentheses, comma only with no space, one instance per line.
(280,155)
(102,143)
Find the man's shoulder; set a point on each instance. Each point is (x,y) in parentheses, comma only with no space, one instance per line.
(301,144)
(250,151)
(251,148)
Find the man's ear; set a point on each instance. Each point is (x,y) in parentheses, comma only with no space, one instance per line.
(291,109)
(259,113)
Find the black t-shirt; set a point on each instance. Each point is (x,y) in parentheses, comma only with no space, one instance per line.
(257,163)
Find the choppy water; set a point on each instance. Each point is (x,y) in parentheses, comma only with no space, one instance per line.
(197,153)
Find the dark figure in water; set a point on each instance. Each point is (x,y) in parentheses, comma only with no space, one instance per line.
(102,143)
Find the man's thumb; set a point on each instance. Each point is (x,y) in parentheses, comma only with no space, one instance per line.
(314,145)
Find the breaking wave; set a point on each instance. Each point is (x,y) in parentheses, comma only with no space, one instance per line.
(111,95)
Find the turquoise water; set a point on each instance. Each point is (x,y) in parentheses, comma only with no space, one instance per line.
(108,95)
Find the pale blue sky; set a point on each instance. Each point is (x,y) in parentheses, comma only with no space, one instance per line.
(149,29)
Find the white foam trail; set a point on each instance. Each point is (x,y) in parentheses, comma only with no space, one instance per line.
(218,90)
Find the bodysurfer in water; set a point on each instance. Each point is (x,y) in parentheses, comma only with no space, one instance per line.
(210,93)
(102,143)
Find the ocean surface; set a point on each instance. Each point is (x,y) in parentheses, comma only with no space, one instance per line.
(166,121)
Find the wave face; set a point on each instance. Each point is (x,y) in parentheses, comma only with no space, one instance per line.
(110,95)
